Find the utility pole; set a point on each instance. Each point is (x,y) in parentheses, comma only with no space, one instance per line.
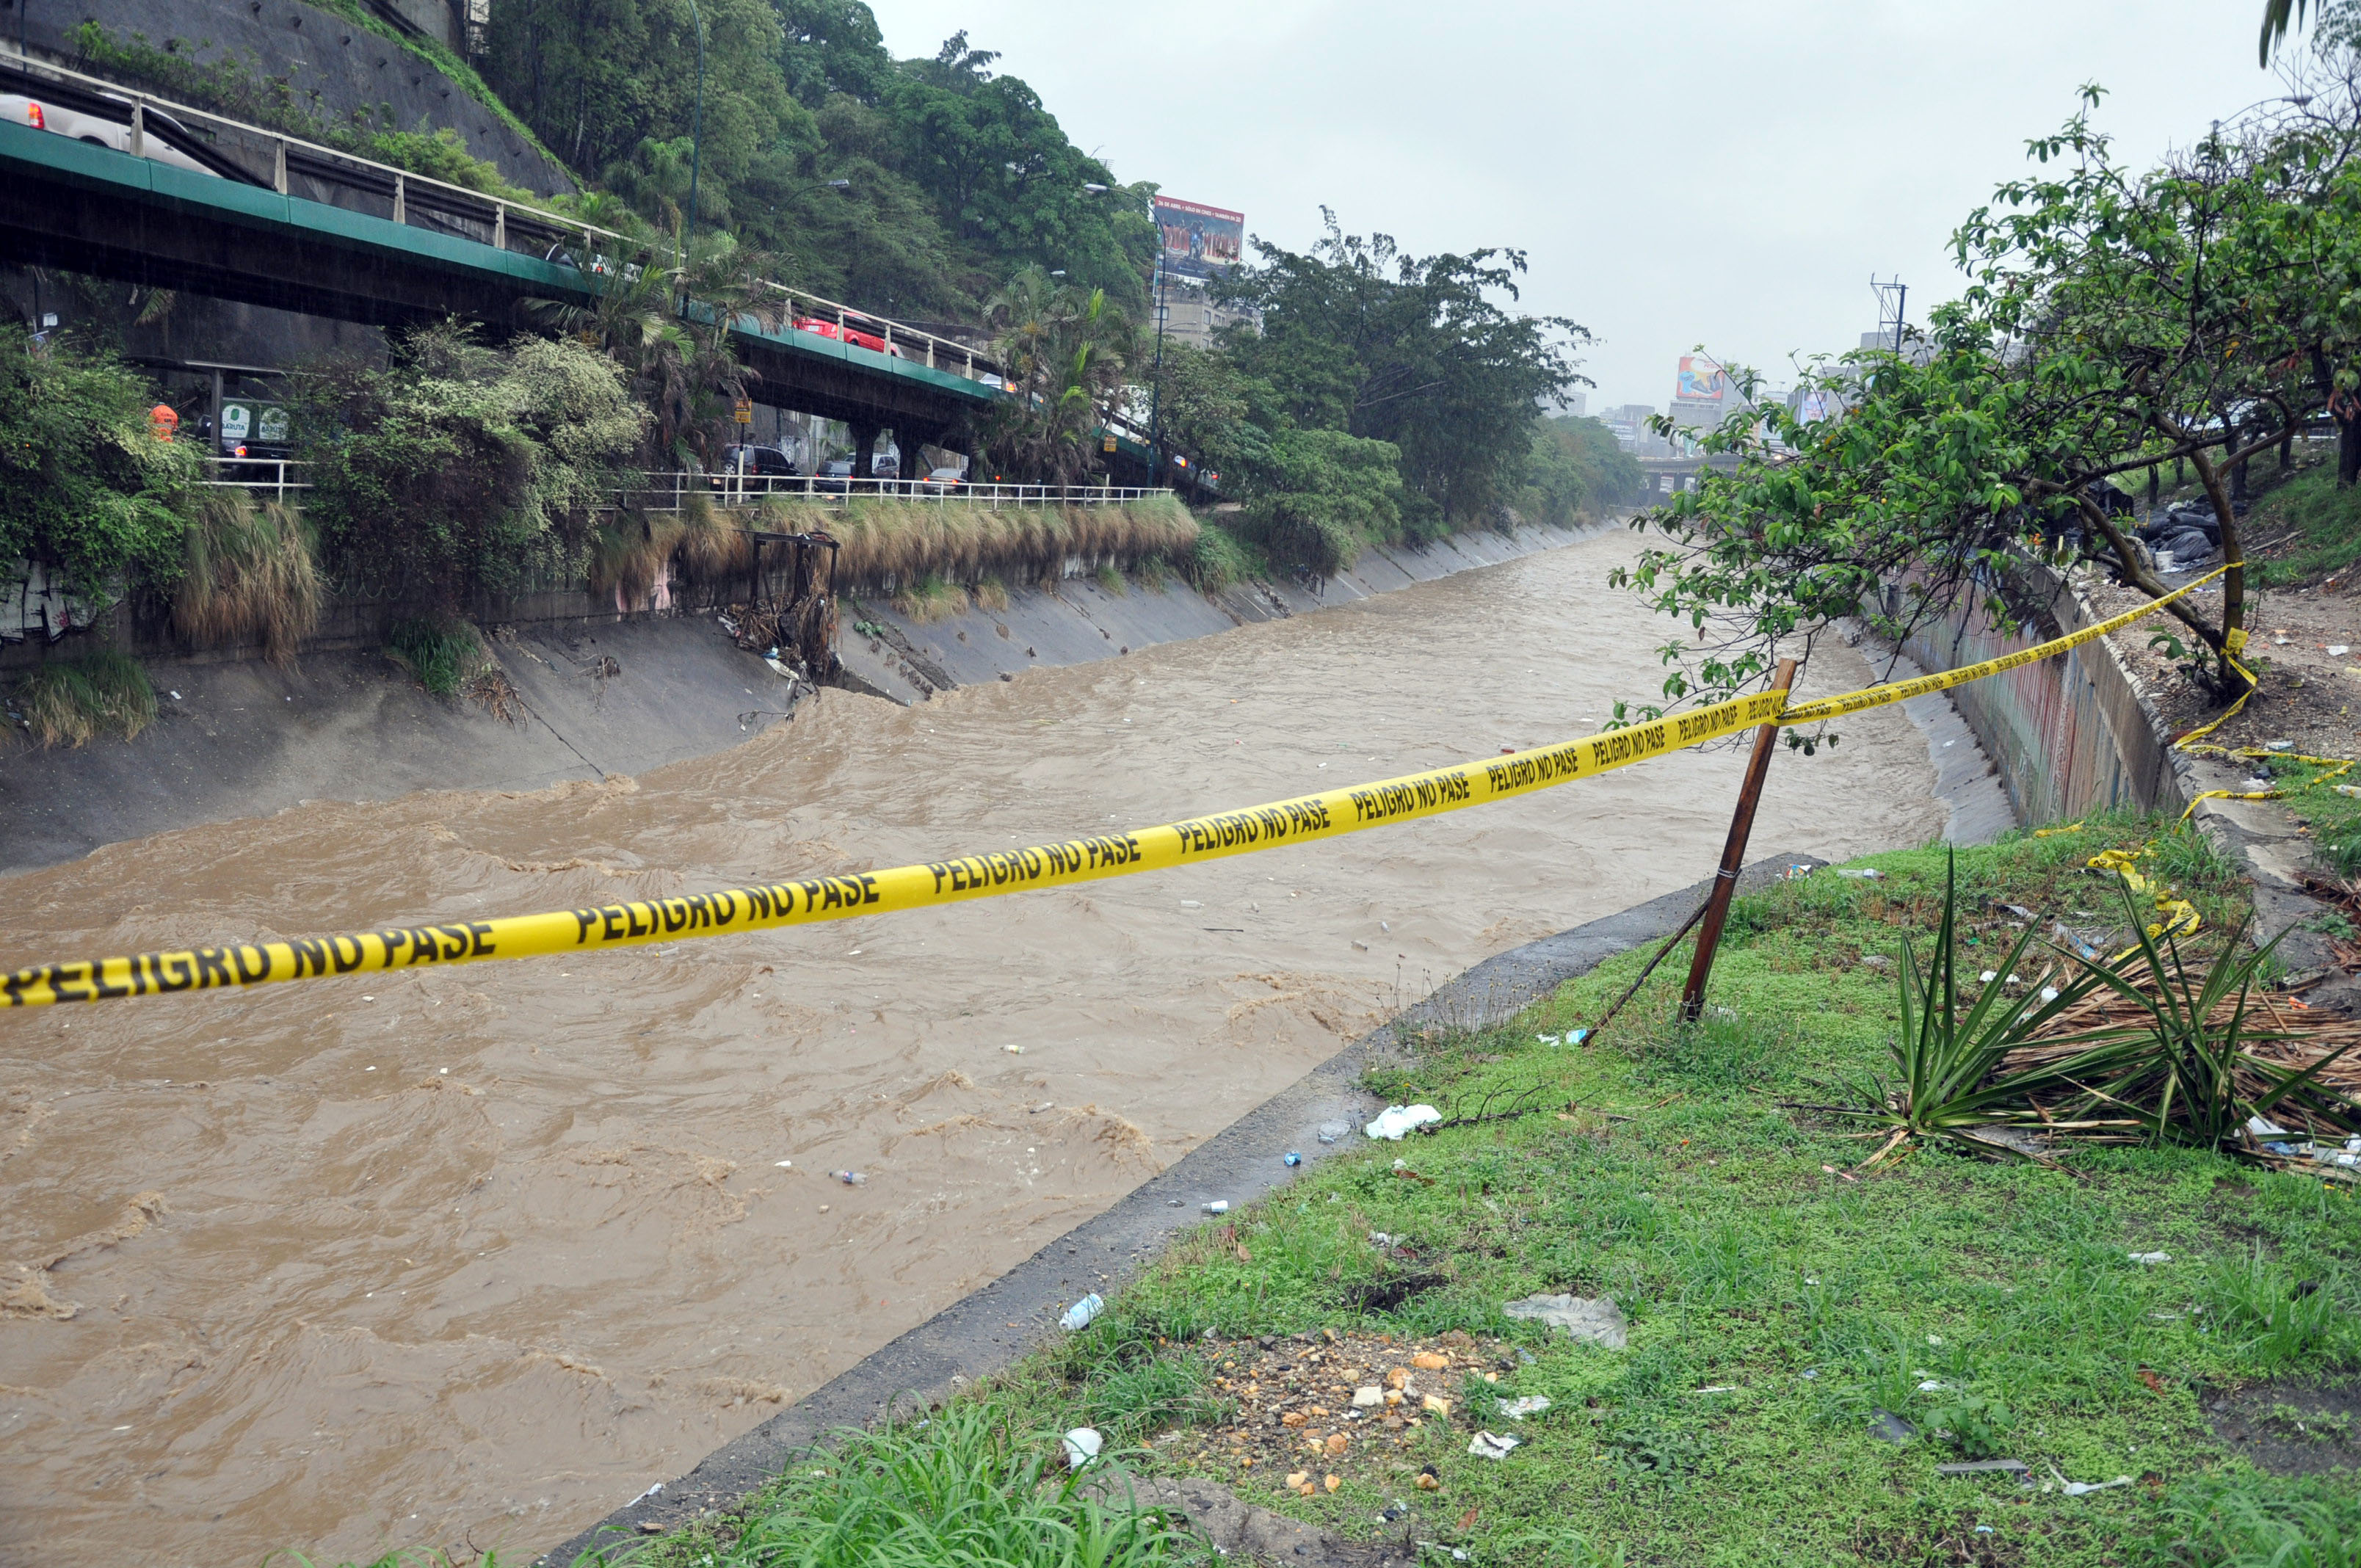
(1156,386)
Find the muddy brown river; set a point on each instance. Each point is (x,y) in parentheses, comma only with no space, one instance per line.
(469,1257)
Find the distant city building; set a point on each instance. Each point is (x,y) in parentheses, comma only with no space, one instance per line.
(1629,423)
(1192,316)
(1574,403)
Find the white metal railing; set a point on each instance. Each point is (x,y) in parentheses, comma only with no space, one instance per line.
(898,337)
(258,474)
(665,491)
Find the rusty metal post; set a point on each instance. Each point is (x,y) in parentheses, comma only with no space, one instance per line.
(1733,855)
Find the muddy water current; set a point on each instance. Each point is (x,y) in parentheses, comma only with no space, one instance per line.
(471,1256)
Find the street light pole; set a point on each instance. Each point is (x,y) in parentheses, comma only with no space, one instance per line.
(1155,383)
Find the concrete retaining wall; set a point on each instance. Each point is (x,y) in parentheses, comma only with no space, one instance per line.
(2068,735)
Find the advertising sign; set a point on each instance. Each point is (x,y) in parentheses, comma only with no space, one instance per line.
(1701,380)
(1198,241)
(743,410)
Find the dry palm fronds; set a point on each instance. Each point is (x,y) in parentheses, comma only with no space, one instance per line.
(2298,1039)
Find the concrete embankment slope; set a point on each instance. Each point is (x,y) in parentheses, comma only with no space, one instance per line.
(597,699)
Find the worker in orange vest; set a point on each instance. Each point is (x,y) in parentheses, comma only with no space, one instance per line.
(163,420)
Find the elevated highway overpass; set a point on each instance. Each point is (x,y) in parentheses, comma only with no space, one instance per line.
(371,244)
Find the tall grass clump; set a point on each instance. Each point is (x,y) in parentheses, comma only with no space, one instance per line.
(1216,559)
(627,553)
(250,576)
(959,1488)
(445,656)
(895,541)
(70,702)
(712,543)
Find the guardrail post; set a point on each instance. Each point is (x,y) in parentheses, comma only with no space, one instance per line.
(839,323)
(1733,856)
(278,168)
(138,127)
(970,363)
(931,353)
(889,337)
(400,199)
(500,225)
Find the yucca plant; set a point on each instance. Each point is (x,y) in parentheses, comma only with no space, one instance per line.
(1947,1078)
(2178,1075)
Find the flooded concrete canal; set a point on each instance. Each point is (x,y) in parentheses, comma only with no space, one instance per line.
(471,1256)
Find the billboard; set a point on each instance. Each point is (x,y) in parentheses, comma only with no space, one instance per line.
(1198,242)
(1701,380)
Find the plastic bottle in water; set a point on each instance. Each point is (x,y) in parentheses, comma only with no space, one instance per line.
(1080,1314)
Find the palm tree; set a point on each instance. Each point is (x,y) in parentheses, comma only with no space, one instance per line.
(1065,350)
(2278,15)
(669,328)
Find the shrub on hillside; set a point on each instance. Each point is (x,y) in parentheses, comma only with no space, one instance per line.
(85,484)
(459,467)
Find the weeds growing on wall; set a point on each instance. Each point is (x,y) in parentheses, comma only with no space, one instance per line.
(445,656)
(627,553)
(250,576)
(713,545)
(69,702)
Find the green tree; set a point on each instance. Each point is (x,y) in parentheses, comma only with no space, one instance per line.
(1064,350)
(1577,469)
(2112,320)
(1418,352)
(1321,497)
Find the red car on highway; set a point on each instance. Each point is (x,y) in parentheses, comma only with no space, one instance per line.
(847,334)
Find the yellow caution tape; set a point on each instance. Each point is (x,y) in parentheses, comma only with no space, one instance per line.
(771,905)
(1901,691)
(2180,917)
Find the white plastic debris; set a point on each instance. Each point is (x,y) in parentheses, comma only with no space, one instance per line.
(1989,976)
(1596,1321)
(2151,1257)
(1530,1405)
(1396,1121)
(1014,1050)
(2264,1127)
(1576,1036)
(1218,1206)
(1547,1039)
(2048,994)
(2338,650)
(1866,873)
(1082,1445)
(2084,1488)
(1932,1386)
(1485,1445)
(1079,1317)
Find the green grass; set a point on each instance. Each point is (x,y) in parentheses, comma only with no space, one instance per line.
(69,702)
(1743,1263)
(444,657)
(968,1487)
(2321,525)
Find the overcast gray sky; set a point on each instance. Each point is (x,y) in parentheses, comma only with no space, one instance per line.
(1721,172)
